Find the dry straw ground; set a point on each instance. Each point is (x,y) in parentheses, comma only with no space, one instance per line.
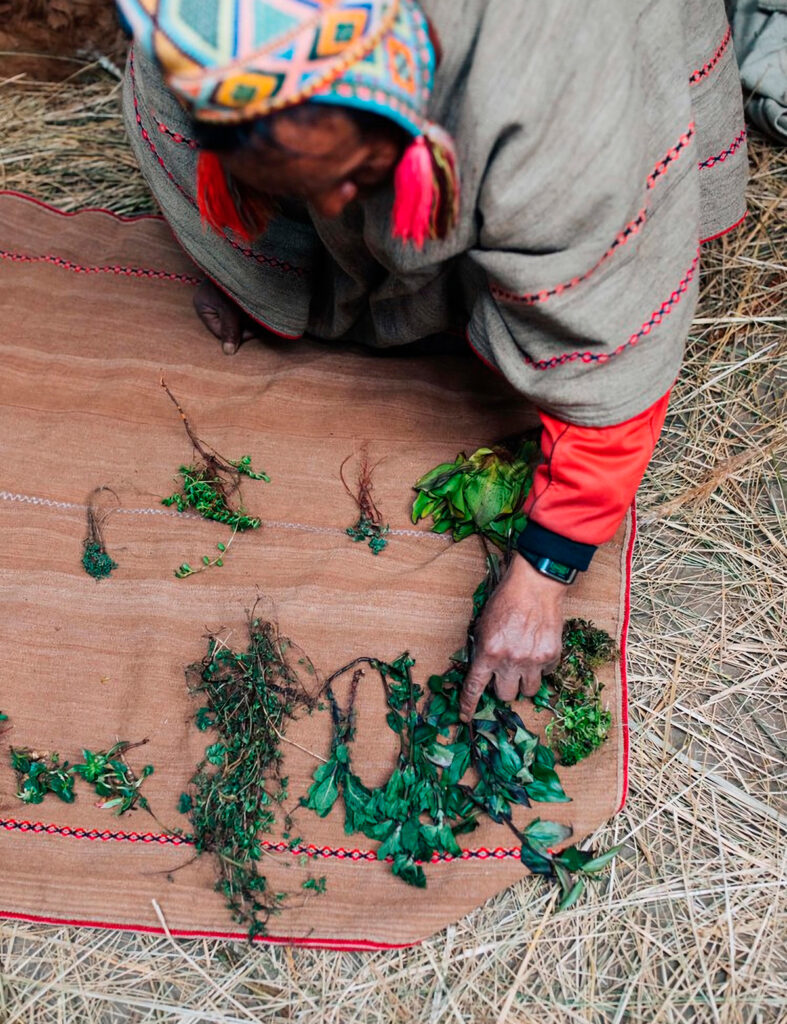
(691,924)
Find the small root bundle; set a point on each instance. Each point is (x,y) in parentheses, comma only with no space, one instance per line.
(369,526)
(95,560)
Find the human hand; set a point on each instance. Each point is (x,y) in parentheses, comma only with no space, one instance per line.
(223,317)
(518,637)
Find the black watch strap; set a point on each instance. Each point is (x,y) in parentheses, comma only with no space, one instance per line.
(536,539)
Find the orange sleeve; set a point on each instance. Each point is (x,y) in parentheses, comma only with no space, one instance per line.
(590,475)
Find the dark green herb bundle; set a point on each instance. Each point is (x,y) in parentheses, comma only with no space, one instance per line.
(369,526)
(247,698)
(480,494)
(107,771)
(573,693)
(95,560)
(211,486)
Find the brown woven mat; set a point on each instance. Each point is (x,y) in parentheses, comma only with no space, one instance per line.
(93,311)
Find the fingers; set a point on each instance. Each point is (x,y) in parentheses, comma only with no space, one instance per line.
(475,683)
(531,681)
(507,682)
(230,336)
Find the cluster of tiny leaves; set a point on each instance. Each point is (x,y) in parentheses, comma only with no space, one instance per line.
(204,493)
(427,801)
(96,562)
(106,771)
(481,494)
(185,569)
(315,885)
(573,693)
(368,530)
(247,698)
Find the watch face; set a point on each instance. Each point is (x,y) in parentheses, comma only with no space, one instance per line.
(561,572)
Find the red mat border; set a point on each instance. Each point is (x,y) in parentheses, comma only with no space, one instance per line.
(348,945)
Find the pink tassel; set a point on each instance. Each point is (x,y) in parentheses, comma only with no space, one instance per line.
(416,194)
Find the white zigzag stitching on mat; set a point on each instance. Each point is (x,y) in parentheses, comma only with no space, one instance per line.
(29,499)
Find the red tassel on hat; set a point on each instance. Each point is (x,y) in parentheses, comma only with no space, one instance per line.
(426,190)
(215,201)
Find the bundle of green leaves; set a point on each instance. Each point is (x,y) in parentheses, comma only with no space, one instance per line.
(480,494)
(106,771)
(248,697)
(112,779)
(39,774)
(447,775)
(572,693)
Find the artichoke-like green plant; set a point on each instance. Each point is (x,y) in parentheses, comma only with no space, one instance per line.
(480,494)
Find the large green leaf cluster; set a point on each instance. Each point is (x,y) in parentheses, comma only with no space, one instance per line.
(480,494)
(447,775)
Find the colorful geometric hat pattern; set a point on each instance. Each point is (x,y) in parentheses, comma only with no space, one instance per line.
(233,60)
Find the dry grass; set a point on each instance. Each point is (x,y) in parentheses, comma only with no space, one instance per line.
(691,925)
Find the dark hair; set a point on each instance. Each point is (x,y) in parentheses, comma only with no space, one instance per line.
(224,137)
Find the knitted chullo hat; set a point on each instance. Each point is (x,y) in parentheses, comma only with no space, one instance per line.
(234,60)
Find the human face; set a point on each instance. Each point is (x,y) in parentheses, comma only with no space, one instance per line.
(324,161)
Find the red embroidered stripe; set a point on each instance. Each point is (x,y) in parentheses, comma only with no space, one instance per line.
(632,228)
(734,146)
(169,839)
(175,136)
(700,73)
(64,264)
(653,321)
(268,261)
(664,164)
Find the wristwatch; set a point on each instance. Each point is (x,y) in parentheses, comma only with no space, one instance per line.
(549,567)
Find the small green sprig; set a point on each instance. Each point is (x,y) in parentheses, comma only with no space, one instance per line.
(39,774)
(112,779)
(371,532)
(572,693)
(185,569)
(206,494)
(209,487)
(95,560)
(315,885)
